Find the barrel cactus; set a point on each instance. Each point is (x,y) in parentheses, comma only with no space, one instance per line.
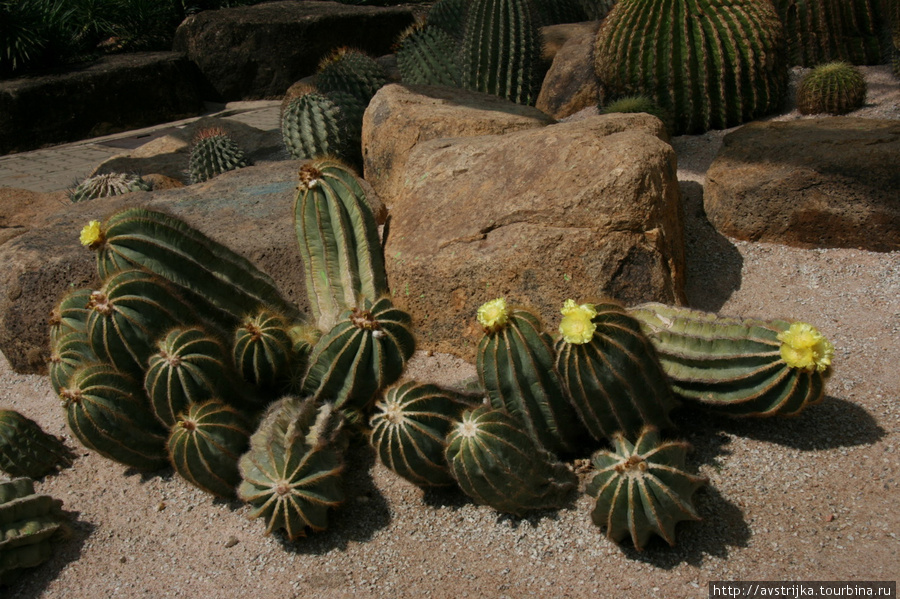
(819,31)
(70,313)
(427,56)
(352,72)
(711,65)
(26,450)
(110,184)
(263,351)
(642,489)
(833,88)
(315,124)
(68,353)
(214,152)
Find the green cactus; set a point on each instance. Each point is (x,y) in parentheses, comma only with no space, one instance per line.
(31,527)
(498,464)
(833,88)
(351,72)
(292,472)
(110,184)
(515,364)
(611,371)
(641,489)
(67,353)
(205,445)
(263,351)
(427,56)
(739,367)
(338,239)
(409,430)
(26,450)
(70,314)
(711,65)
(449,15)
(108,412)
(214,152)
(638,103)
(364,352)
(315,124)
(819,31)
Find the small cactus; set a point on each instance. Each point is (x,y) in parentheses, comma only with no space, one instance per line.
(26,450)
(68,353)
(214,152)
(70,314)
(110,184)
(833,88)
(638,103)
(263,351)
(351,72)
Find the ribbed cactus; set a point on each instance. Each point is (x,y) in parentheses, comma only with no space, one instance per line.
(31,527)
(449,15)
(108,412)
(712,65)
(498,464)
(70,314)
(427,56)
(263,351)
(292,472)
(315,124)
(26,450)
(364,352)
(214,152)
(205,445)
(515,363)
(338,239)
(819,31)
(409,430)
(739,367)
(642,489)
(225,285)
(833,88)
(611,371)
(110,184)
(501,50)
(67,353)
(351,72)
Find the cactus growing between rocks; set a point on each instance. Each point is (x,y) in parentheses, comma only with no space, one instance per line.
(450,16)
(110,184)
(352,72)
(834,88)
(315,124)
(641,489)
(638,103)
(214,152)
(427,56)
(26,450)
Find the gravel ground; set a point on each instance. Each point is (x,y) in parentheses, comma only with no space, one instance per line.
(810,498)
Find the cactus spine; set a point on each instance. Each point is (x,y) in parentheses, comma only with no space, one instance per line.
(427,56)
(819,31)
(26,450)
(111,184)
(214,152)
(351,72)
(314,124)
(264,351)
(833,88)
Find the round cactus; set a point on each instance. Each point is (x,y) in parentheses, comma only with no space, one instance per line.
(641,489)
(427,56)
(315,124)
(110,184)
(70,314)
(833,88)
(68,353)
(214,152)
(637,103)
(351,72)
(450,16)
(26,450)
(264,351)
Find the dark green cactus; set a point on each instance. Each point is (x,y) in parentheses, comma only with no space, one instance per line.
(611,371)
(338,239)
(26,450)
(263,351)
(214,152)
(366,351)
(31,527)
(409,430)
(832,88)
(739,367)
(641,489)
(596,10)
(293,470)
(108,412)
(70,314)
(68,353)
(315,124)
(515,363)
(449,15)
(427,56)
(110,184)
(352,72)
(205,445)
(819,31)
(498,464)
(711,65)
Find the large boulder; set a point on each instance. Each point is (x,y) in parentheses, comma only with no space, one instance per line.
(115,93)
(401,116)
(571,84)
(826,182)
(577,210)
(258,51)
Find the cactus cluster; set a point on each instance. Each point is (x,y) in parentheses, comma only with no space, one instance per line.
(110,184)
(832,88)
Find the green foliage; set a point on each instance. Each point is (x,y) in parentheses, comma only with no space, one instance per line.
(634,104)
(214,152)
(110,184)
(26,450)
(833,88)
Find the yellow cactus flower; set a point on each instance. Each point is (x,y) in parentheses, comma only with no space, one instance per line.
(804,347)
(91,235)
(577,326)
(493,315)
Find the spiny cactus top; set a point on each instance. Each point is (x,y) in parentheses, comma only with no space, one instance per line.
(214,152)
(832,88)
(110,184)
(26,450)
(351,71)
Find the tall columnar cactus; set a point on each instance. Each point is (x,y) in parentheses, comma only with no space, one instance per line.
(70,313)
(611,371)
(501,50)
(515,362)
(110,184)
(68,353)
(642,489)
(263,351)
(205,445)
(819,31)
(292,472)
(833,88)
(427,56)
(223,283)
(26,450)
(364,352)
(214,152)
(351,72)
(739,367)
(712,65)
(338,239)
(31,527)
(315,124)
(497,463)
(409,430)
(108,412)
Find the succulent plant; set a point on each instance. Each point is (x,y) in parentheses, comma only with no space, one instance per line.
(637,103)
(427,56)
(497,463)
(315,124)
(293,469)
(352,72)
(214,152)
(409,430)
(611,371)
(110,184)
(205,445)
(263,351)
(642,489)
(515,363)
(721,64)
(67,353)
(833,88)
(70,313)
(31,527)
(739,367)
(819,31)
(449,15)
(26,450)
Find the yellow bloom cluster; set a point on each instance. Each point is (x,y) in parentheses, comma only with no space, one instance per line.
(493,314)
(91,234)
(576,326)
(804,347)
